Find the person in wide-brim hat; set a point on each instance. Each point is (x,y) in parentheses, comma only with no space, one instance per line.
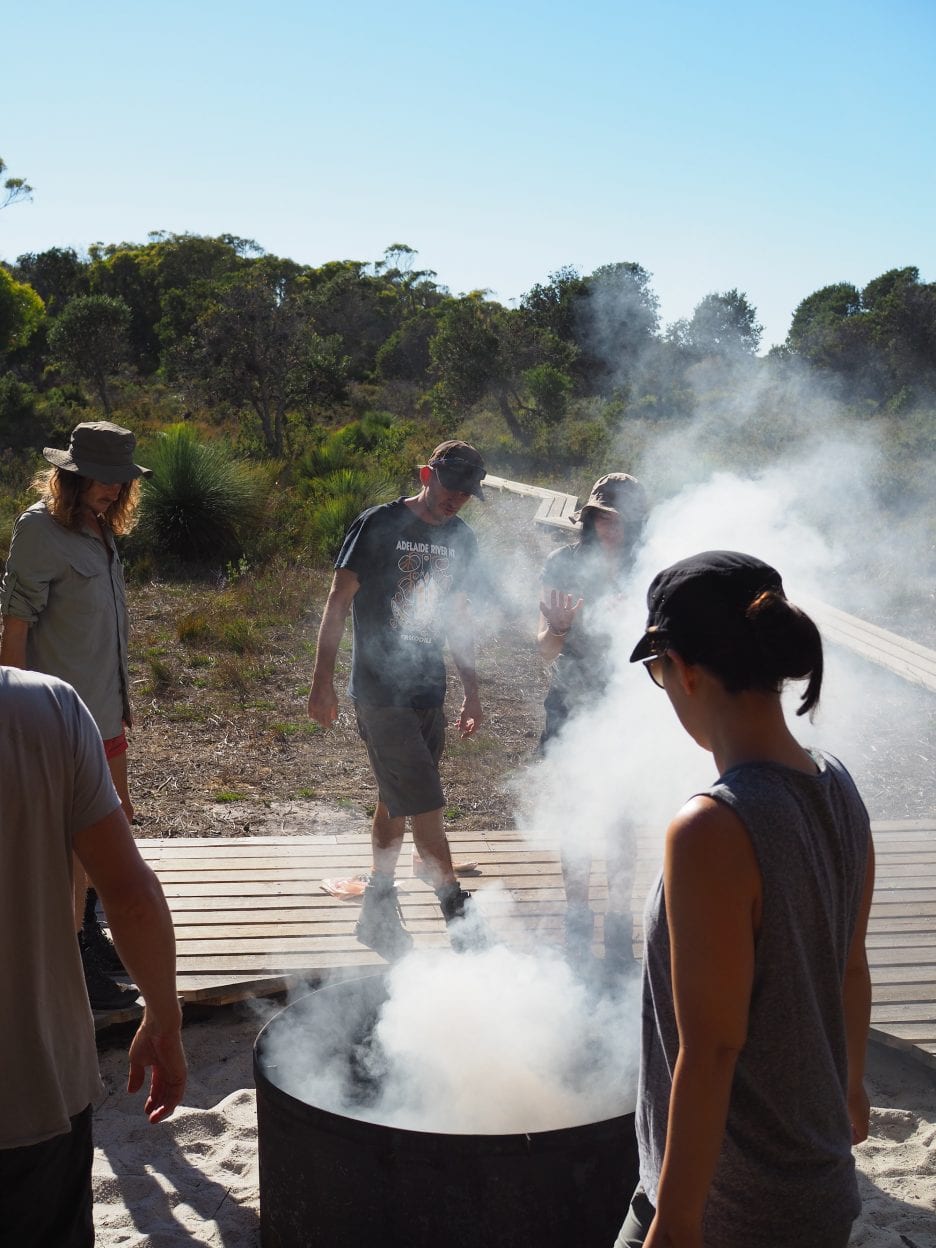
(576,579)
(64,608)
(100,451)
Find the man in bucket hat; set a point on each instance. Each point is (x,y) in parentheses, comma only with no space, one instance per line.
(405,573)
(63,602)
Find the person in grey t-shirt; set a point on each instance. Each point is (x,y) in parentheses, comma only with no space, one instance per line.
(757,996)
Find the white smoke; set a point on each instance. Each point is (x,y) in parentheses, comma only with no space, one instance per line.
(494,1042)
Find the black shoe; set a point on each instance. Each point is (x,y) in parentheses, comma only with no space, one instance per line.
(467,930)
(380,926)
(101,949)
(103,992)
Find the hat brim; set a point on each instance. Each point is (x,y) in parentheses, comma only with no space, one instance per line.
(107,474)
(654,641)
(643,649)
(576,516)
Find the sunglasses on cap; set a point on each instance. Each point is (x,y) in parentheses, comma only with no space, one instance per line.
(457,474)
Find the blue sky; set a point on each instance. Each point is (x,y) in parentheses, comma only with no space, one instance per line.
(771,147)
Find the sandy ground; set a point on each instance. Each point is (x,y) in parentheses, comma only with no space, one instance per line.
(193,1179)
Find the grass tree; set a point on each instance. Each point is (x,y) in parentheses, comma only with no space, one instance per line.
(201,504)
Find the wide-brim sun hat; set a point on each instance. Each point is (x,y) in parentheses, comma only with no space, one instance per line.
(100,451)
(616,492)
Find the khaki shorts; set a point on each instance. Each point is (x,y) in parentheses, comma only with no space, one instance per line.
(404,746)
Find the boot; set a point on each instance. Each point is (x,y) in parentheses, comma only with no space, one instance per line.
(467,930)
(380,926)
(96,940)
(103,992)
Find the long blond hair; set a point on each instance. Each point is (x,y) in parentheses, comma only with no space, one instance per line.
(61,492)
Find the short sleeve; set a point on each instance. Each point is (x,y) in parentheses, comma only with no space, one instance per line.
(557,570)
(355,549)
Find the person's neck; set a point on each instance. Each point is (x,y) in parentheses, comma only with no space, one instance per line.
(418,506)
(93,521)
(754,730)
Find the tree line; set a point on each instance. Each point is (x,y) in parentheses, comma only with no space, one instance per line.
(227,328)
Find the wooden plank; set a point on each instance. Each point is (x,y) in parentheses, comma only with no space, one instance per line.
(251,918)
(913,662)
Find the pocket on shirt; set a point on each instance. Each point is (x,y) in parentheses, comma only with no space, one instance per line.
(84,586)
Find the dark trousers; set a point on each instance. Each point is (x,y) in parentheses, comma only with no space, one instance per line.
(45,1191)
(637,1223)
(640,1214)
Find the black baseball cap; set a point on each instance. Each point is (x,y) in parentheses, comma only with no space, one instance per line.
(459,467)
(704,596)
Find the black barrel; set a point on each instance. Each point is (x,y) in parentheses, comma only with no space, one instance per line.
(328,1179)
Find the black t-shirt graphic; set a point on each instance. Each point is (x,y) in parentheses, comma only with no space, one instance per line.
(409,574)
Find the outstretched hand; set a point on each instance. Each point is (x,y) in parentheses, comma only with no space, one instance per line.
(561,610)
(162,1052)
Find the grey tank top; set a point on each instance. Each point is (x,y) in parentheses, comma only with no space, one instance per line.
(785,1176)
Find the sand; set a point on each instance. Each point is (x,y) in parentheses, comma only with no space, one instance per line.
(193,1179)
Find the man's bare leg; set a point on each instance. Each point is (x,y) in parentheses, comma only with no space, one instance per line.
(386,840)
(433,847)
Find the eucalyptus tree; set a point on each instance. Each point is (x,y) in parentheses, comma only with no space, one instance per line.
(256,347)
(14,189)
(90,338)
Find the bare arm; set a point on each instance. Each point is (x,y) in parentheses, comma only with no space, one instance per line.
(856,1002)
(142,926)
(323,701)
(461,643)
(712,886)
(13,642)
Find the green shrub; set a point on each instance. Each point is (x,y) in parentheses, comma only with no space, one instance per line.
(201,503)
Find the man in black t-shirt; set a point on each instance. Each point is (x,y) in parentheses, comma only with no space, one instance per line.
(405,572)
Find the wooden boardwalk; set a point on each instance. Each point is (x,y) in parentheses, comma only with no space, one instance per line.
(251,918)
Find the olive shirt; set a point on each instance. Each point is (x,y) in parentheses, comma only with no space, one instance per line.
(68,586)
(55,783)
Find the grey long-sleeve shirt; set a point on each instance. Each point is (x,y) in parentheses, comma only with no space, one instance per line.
(69,587)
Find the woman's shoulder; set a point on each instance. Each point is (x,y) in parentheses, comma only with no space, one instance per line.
(560,559)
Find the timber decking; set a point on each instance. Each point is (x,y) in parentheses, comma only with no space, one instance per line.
(251,919)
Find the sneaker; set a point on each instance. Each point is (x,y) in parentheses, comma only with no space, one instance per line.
(380,926)
(103,992)
(467,930)
(101,948)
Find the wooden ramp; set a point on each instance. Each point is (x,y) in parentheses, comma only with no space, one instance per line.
(913,662)
(251,918)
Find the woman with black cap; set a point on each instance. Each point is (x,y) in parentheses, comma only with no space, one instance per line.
(64,608)
(575,579)
(756,992)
